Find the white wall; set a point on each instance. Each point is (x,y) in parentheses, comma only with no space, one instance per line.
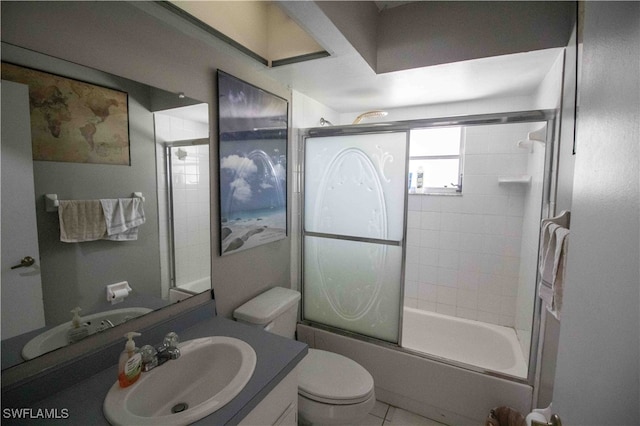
(598,371)
(306,113)
(548,94)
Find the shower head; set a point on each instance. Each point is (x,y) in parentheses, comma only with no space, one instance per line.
(370,114)
(324,122)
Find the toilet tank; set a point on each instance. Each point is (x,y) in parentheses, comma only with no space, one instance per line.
(275,310)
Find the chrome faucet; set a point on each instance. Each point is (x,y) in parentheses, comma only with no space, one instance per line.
(104,324)
(149,357)
(169,348)
(154,357)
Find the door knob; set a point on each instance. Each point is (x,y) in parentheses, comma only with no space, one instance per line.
(554,421)
(25,262)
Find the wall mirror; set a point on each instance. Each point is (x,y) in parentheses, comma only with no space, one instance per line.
(170,259)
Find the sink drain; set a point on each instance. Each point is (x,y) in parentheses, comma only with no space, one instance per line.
(179,408)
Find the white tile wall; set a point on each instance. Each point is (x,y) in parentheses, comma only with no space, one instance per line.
(463,251)
(191,214)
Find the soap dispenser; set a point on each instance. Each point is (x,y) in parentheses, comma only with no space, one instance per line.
(130,364)
(78,331)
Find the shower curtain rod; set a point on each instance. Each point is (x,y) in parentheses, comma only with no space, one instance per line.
(461,120)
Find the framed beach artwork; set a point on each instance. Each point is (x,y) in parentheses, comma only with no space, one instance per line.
(252,141)
(74,121)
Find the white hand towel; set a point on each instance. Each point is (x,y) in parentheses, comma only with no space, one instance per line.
(552,257)
(544,241)
(81,220)
(560,262)
(123,216)
(547,256)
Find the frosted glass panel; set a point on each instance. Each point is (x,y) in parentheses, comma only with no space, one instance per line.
(354,226)
(354,185)
(353,285)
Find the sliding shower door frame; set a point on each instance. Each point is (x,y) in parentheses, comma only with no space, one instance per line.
(347,131)
(168,146)
(548,202)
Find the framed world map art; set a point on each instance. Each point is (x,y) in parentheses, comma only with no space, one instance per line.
(74,121)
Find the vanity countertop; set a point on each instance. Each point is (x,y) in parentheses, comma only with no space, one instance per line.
(276,357)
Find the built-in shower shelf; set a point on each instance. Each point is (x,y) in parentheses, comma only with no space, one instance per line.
(522,179)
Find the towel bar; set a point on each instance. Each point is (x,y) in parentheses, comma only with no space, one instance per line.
(563,219)
(52,203)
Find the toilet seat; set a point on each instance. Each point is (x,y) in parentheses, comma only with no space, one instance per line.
(331,378)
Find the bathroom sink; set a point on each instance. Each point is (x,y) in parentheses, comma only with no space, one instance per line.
(210,372)
(56,337)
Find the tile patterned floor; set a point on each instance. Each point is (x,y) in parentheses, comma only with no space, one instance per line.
(385,415)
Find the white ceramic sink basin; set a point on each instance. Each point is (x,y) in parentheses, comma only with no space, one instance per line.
(56,337)
(210,372)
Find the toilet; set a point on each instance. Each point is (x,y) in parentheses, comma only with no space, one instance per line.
(332,389)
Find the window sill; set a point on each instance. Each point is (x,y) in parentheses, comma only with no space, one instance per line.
(446,193)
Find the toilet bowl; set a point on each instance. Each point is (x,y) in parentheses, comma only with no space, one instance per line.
(332,389)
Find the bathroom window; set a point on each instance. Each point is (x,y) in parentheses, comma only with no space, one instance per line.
(435,160)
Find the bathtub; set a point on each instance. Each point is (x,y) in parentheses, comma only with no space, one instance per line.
(197,286)
(426,385)
(184,291)
(488,346)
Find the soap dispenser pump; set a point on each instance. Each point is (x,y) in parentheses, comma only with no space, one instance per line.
(130,364)
(78,331)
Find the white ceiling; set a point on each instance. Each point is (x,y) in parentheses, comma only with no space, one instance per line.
(346,83)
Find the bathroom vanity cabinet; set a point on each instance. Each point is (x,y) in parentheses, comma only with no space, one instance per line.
(280,407)
(270,396)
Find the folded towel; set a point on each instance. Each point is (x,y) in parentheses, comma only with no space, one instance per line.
(123,216)
(562,244)
(552,264)
(547,262)
(81,220)
(128,235)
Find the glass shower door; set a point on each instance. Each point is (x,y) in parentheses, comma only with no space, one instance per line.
(354,212)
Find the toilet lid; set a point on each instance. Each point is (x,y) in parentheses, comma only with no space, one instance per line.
(332,378)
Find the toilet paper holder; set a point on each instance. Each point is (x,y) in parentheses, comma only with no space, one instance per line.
(553,421)
(117,292)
